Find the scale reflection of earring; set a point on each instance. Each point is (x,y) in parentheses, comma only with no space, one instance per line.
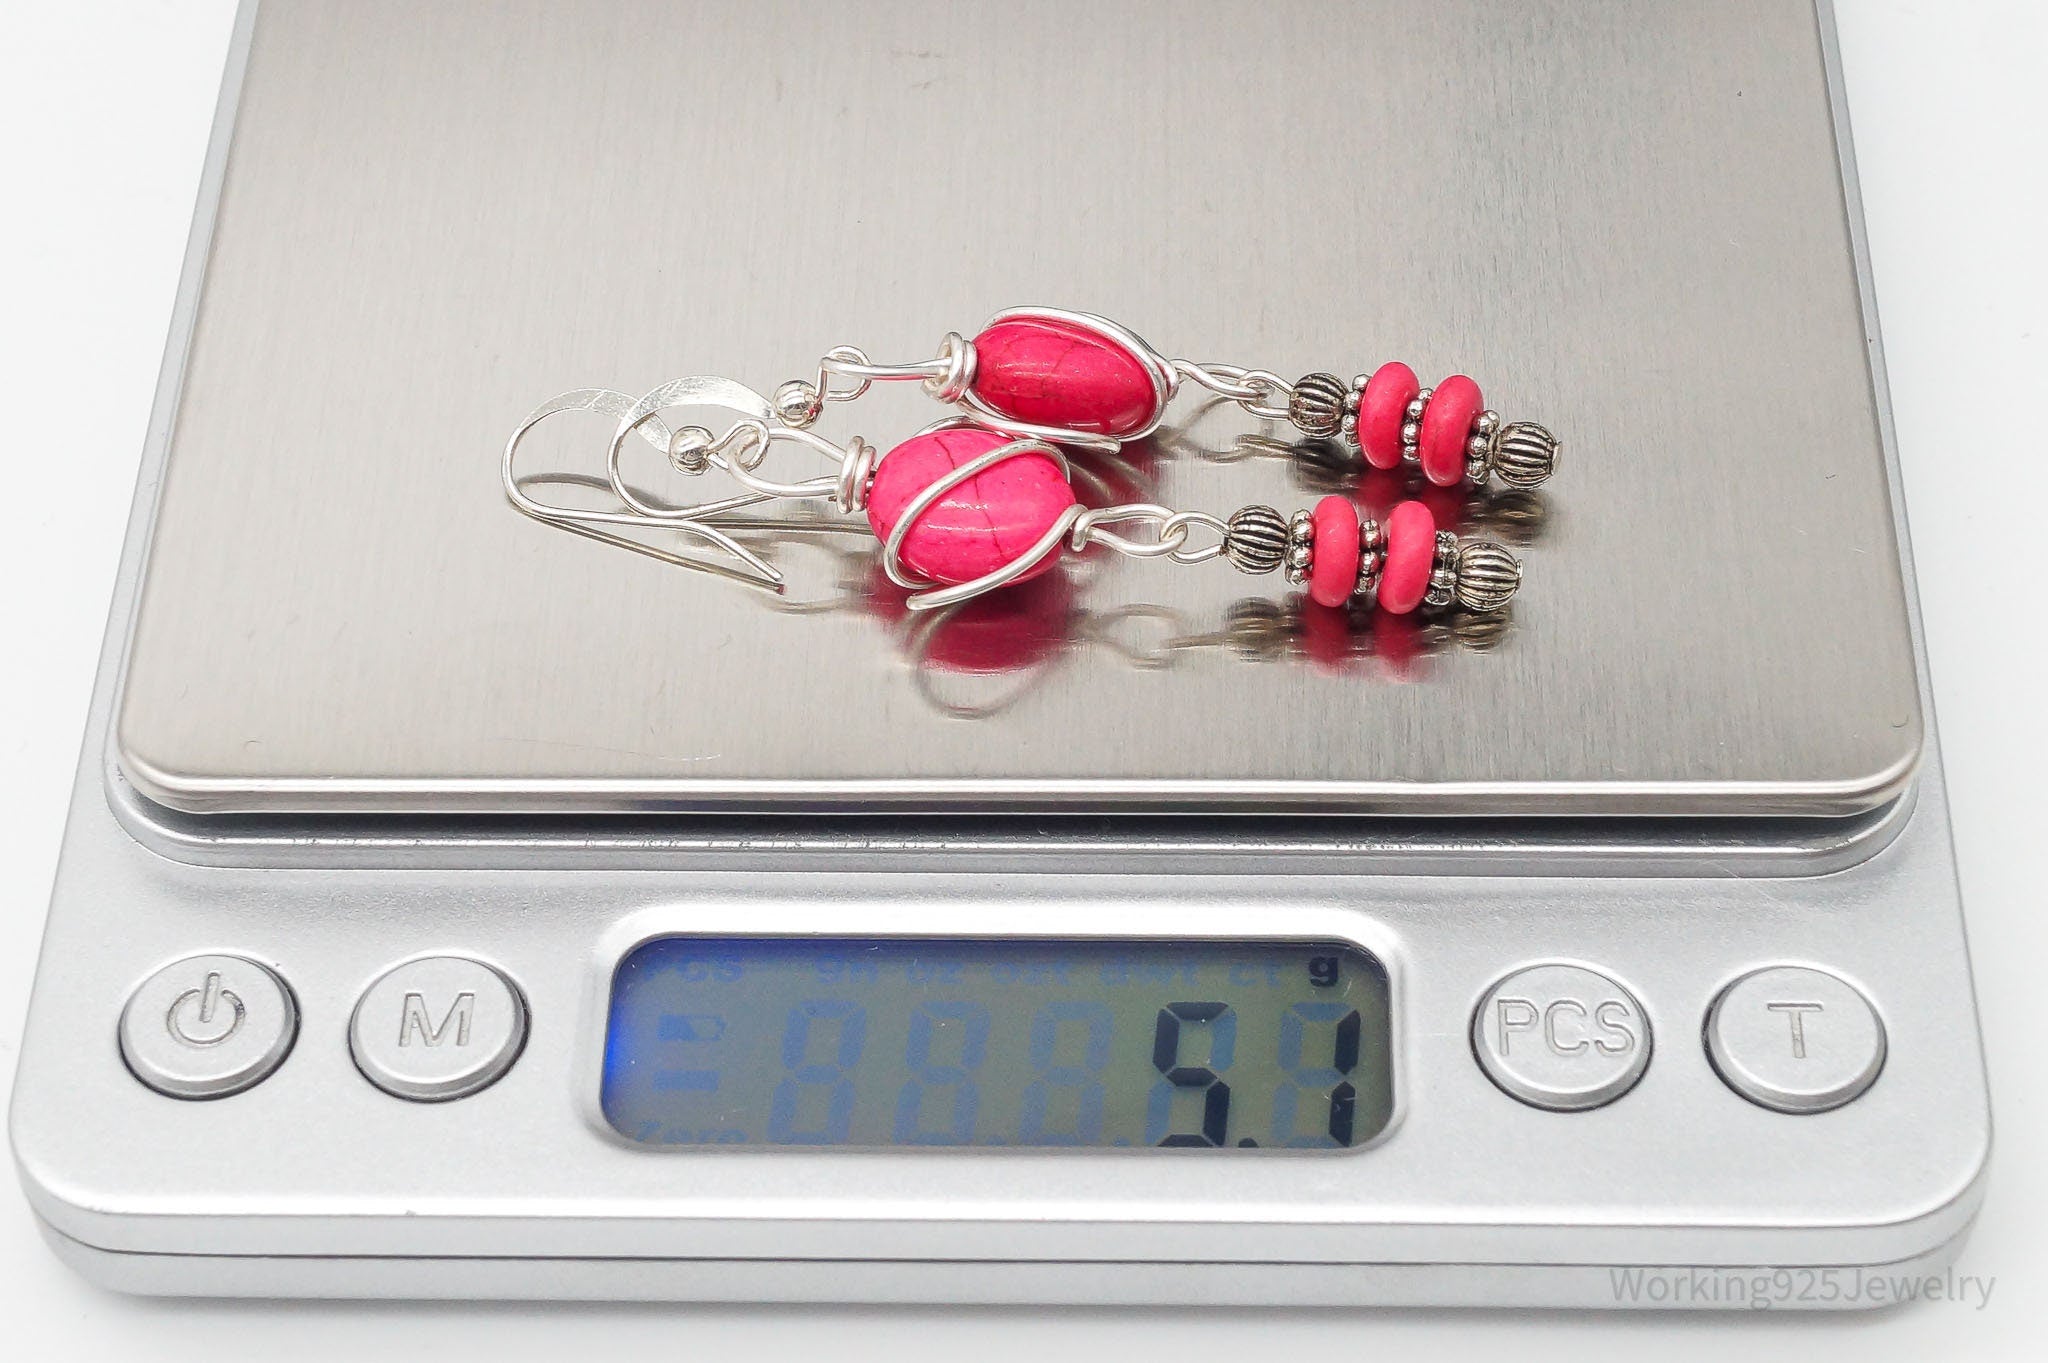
(1081,380)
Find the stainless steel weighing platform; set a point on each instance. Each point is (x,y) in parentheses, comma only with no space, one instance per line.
(355,712)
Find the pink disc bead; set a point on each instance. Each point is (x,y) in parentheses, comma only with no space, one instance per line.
(1048,371)
(1446,426)
(979,526)
(1333,571)
(1411,554)
(1382,408)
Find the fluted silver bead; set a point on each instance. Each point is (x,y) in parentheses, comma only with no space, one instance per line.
(1317,404)
(1255,539)
(1524,454)
(1487,576)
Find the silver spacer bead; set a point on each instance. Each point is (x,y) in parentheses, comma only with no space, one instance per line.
(1524,454)
(1488,422)
(1301,553)
(1317,404)
(1411,428)
(1443,571)
(1372,556)
(1255,539)
(1478,464)
(1487,576)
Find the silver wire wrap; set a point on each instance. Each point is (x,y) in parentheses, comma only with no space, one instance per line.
(743,448)
(949,378)
(1159,369)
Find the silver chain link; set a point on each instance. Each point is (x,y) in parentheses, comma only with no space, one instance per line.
(1259,391)
(1172,529)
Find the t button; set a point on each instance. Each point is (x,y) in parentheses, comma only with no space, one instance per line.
(437,1028)
(208,1026)
(1795,1039)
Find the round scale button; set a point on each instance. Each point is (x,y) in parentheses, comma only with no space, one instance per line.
(1561,1037)
(1795,1039)
(437,1028)
(208,1026)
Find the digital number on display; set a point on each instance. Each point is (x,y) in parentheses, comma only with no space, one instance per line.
(894,1042)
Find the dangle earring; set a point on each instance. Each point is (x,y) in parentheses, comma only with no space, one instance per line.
(1081,380)
(963,508)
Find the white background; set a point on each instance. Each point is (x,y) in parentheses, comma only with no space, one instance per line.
(104,115)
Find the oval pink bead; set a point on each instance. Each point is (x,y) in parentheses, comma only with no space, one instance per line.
(978,526)
(1446,426)
(1333,572)
(1051,372)
(1382,408)
(1411,554)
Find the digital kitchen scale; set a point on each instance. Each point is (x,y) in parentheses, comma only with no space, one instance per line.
(453,906)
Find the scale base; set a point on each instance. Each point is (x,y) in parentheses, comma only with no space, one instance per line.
(1024,1283)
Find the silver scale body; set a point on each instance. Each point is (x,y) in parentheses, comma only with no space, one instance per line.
(314,1182)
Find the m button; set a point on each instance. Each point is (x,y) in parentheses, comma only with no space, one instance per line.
(1561,1037)
(437,1028)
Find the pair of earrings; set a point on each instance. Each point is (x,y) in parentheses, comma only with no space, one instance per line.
(985,499)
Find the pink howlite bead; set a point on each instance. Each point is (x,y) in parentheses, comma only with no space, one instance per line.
(1333,571)
(1411,555)
(1382,408)
(1051,372)
(1446,426)
(978,526)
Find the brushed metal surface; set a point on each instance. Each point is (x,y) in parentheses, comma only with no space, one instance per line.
(1627,221)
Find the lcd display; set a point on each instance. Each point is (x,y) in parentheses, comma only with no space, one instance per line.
(1238,1045)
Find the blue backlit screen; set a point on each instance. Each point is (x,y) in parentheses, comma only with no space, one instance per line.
(910,1042)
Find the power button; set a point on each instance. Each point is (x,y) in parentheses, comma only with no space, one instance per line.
(208,1026)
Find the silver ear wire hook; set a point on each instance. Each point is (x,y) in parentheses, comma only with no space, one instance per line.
(580,519)
(740,452)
